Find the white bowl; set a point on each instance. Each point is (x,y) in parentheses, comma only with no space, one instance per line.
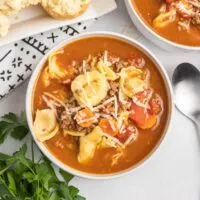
(152,35)
(34,77)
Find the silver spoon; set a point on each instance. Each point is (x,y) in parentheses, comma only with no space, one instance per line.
(186,83)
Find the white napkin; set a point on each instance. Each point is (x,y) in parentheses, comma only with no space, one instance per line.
(18,59)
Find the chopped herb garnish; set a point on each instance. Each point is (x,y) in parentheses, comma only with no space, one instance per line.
(22,178)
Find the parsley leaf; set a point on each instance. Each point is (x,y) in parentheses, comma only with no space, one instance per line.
(13,125)
(67,177)
(22,178)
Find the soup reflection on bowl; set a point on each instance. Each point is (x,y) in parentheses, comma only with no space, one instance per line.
(173,22)
(98,105)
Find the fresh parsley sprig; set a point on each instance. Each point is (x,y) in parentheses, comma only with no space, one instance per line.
(13,125)
(22,178)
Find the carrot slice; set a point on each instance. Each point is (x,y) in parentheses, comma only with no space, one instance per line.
(108,126)
(141,117)
(85,118)
(150,122)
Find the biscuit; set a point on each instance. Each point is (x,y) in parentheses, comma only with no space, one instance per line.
(4,25)
(65,9)
(58,9)
(11,7)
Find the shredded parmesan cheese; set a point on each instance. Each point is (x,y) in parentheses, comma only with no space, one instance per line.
(113,114)
(114,140)
(58,100)
(116,106)
(104,115)
(135,100)
(104,103)
(86,99)
(50,104)
(131,138)
(185,25)
(75,109)
(88,78)
(105,59)
(194,3)
(121,97)
(116,157)
(112,125)
(86,120)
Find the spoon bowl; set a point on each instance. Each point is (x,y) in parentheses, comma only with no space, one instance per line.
(186,83)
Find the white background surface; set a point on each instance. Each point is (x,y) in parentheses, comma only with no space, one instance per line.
(173,172)
(38,20)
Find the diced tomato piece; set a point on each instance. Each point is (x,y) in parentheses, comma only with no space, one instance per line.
(85,118)
(108,126)
(143,96)
(155,106)
(138,114)
(141,117)
(124,134)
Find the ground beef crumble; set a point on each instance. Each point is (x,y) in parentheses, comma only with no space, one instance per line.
(67,121)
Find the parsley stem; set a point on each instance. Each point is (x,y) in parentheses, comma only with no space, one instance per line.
(32,151)
(5,169)
(3,182)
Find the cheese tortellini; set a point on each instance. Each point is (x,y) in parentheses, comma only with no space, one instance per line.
(54,69)
(164,19)
(132,81)
(88,145)
(90,89)
(45,77)
(106,70)
(45,125)
(91,142)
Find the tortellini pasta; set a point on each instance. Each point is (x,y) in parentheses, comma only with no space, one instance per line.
(45,125)
(88,145)
(45,77)
(94,140)
(132,81)
(55,70)
(164,19)
(90,89)
(106,70)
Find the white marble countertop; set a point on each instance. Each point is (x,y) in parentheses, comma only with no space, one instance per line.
(173,172)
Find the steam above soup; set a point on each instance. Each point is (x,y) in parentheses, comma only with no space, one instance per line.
(103,102)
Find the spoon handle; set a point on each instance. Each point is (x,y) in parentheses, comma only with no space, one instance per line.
(197,123)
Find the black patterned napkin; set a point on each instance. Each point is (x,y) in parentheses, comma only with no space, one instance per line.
(18,59)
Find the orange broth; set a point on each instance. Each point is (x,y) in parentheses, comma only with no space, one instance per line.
(148,10)
(147,139)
